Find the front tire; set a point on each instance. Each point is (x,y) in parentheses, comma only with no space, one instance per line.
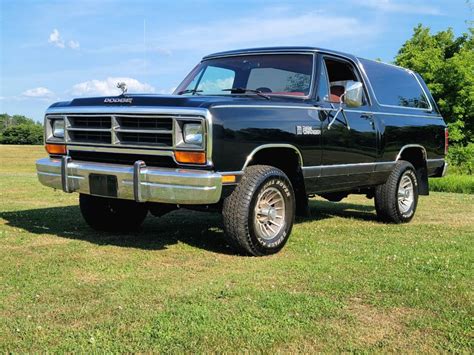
(107,214)
(260,212)
(397,199)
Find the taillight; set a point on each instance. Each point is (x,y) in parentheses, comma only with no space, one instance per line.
(446,141)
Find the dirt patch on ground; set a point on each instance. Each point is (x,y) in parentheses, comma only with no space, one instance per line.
(369,326)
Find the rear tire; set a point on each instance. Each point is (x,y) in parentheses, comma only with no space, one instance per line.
(107,214)
(397,199)
(259,214)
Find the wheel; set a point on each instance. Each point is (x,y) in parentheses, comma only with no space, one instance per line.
(396,200)
(259,214)
(107,214)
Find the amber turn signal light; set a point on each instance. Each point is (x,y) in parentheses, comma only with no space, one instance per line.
(228,179)
(190,157)
(58,149)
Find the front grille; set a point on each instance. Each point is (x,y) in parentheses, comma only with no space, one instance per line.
(145,123)
(90,137)
(122,130)
(90,122)
(143,138)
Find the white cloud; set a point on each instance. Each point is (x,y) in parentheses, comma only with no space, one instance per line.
(216,85)
(56,40)
(167,91)
(267,30)
(108,87)
(38,93)
(274,26)
(400,7)
(73,44)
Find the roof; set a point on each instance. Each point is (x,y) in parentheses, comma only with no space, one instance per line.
(264,50)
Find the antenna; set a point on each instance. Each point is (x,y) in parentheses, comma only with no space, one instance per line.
(144,49)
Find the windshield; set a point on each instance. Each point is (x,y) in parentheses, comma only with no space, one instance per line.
(271,74)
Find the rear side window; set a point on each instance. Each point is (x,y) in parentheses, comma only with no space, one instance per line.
(395,86)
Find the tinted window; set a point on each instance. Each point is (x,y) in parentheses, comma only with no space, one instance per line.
(339,73)
(275,74)
(216,79)
(271,80)
(395,86)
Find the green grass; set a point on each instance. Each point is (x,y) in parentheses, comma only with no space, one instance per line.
(344,282)
(453,183)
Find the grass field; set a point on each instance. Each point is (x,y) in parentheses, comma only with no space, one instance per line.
(344,282)
(454,183)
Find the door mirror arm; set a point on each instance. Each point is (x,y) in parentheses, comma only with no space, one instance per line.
(340,110)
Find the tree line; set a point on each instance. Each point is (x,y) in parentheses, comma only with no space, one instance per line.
(18,129)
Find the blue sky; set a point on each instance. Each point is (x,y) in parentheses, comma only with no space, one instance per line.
(56,50)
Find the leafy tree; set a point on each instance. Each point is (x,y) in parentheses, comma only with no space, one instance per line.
(18,129)
(23,134)
(7,121)
(446,63)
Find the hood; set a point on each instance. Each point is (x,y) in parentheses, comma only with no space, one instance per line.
(133,100)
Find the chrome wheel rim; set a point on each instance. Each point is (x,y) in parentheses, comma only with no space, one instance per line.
(405,193)
(269,213)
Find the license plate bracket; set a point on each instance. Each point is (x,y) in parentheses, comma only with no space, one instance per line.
(103,185)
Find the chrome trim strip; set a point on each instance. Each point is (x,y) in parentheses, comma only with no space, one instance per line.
(267,146)
(236,172)
(128,130)
(445,169)
(137,167)
(309,107)
(165,110)
(64,173)
(263,52)
(85,148)
(209,136)
(346,169)
(394,114)
(411,146)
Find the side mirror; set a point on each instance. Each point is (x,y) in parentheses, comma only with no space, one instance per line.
(353,94)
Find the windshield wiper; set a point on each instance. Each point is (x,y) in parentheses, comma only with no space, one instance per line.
(189,91)
(244,90)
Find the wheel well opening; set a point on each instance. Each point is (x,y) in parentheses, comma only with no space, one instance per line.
(288,161)
(416,156)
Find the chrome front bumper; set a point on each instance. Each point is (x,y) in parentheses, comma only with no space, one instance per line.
(137,182)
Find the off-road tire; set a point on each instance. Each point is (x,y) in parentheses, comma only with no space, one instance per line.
(240,213)
(387,195)
(107,214)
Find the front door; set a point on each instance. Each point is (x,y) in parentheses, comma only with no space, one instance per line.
(349,137)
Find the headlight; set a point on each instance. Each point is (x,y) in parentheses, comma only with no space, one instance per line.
(192,133)
(58,128)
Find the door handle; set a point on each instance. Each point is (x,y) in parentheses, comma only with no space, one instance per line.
(369,117)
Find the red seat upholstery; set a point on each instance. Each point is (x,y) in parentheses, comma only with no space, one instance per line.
(336,93)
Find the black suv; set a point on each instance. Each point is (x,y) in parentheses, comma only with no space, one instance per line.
(251,133)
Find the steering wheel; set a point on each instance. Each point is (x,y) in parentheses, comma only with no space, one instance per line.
(264,89)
